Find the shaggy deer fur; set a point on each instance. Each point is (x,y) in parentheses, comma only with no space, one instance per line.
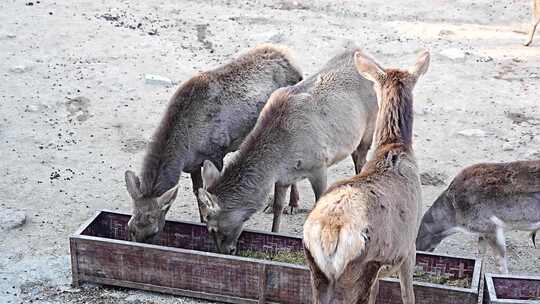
(302,130)
(535,21)
(485,199)
(208,116)
(364,228)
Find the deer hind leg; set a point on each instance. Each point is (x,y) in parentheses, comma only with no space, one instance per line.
(359,156)
(197,183)
(279,204)
(318,182)
(294,197)
(532,31)
(320,285)
(482,245)
(374,292)
(406,278)
(497,243)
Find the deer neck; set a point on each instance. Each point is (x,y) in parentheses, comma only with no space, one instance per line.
(161,171)
(395,116)
(246,183)
(441,217)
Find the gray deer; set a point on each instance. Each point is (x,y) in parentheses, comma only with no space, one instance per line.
(208,116)
(364,228)
(535,21)
(485,199)
(301,131)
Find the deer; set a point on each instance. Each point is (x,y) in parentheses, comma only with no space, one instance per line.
(485,199)
(301,131)
(364,228)
(208,116)
(535,21)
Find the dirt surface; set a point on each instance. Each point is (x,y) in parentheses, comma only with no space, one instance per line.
(75,111)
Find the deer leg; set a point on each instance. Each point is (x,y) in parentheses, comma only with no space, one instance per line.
(294,197)
(482,245)
(498,245)
(197,183)
(318,182)
(279,204)
(320,285)
(374,292)
(293,201)
(531,33)
(360,154)
(406,278)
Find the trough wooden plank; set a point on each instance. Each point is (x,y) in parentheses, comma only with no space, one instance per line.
(182,270)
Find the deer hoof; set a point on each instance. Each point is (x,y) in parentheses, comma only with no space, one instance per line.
(269,209)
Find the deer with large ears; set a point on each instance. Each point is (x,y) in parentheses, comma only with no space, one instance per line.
(485,199)
(208,116)
(301,131)
(364,228)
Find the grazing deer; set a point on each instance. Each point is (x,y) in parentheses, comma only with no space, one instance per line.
(302,130)
(485,199)
(364,228)
(535,22)
(208,116)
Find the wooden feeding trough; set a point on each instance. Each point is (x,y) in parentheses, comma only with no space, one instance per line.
(184,263)
(511,289)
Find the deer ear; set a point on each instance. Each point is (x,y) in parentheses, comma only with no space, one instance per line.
(368,67)
(421,65)
(207,204)
(166,199)
(133,184)
(210,174)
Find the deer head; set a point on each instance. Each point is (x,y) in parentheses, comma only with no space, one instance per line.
(373,71)
(149,213)
(224,226)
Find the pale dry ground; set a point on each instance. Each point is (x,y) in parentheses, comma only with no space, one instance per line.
(61,160)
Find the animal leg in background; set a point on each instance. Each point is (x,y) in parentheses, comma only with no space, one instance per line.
(536,21)
(406,278)
(197,183)
(318,182)
(279,204)
(294,198)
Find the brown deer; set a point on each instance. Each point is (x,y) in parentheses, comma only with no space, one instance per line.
(207,117)
(301,131)
(535,21)
(364,228)
(485,199)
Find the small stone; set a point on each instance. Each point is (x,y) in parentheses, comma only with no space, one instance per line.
(11,218)
(508,146)
(453,53)
(534,75)
(420,112)
(156,79)
(7,36)
(20,69)
(534,154)
(33,108)
(446,33)
(472,133)
(273,37)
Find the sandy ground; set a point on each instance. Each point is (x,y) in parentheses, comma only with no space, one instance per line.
(75,111)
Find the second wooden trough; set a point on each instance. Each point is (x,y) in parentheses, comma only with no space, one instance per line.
(184,263)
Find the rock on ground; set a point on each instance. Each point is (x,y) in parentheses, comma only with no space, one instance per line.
(11,218)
